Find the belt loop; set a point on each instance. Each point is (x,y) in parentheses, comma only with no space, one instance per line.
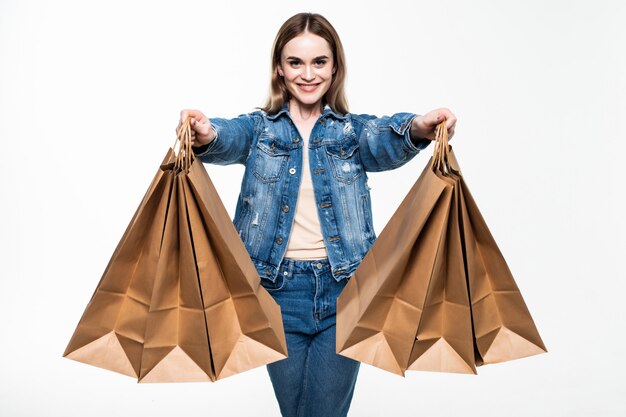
(287,265)
(319,266)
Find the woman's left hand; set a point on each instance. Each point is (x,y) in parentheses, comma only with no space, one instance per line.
(424,126)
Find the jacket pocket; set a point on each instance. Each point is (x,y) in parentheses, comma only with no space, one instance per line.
(270,159)
(344,159)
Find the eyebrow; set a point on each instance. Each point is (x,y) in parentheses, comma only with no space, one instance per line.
(317,57)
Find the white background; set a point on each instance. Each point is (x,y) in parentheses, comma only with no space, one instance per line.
(90,95)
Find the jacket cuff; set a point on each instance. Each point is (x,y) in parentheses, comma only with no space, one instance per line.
(402,125)
(419,143)
(200,151)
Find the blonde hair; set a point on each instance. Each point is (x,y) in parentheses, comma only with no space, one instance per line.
(318,25)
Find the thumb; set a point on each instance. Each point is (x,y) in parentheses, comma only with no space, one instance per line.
(198,127)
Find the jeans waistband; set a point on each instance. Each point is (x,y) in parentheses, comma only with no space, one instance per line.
(292,266)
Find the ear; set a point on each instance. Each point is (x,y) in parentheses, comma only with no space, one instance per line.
(334,70)
(280,71)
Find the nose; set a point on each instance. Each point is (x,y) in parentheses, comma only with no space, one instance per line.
(307,74)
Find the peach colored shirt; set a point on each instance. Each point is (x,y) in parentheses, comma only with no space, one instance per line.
(306,241)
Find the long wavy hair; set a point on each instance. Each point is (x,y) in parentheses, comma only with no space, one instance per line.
(318,25)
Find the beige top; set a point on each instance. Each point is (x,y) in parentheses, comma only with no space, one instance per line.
(306,240)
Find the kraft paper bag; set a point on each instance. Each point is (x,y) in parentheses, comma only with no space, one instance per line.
(110,333)
(207,316)
(244,322)
(503,327)
(379,310)
(176,347)
(448,294)
(444,340)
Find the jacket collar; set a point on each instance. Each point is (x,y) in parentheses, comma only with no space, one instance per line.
(326,112)
(283,110)
(329,112)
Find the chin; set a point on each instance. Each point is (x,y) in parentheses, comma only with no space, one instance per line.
(308,100)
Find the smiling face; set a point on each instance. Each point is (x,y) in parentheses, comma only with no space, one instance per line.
(307,67)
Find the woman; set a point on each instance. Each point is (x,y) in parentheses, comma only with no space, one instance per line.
(304,210)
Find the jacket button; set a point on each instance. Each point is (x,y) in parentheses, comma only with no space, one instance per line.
(279,240)
(296,140)
(319,265)
(285,208)
(292,171)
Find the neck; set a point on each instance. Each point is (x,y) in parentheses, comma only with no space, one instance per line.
(304,111)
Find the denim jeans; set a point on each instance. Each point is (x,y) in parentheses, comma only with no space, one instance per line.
(313,381)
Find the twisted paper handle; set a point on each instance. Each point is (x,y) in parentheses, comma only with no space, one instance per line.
(441,154)
(182,147)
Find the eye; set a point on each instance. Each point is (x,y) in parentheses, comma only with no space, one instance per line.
(294,63)
(320,62)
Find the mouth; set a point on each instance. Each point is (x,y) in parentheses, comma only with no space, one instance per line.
(308,87)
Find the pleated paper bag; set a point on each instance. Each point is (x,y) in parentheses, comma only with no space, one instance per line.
(434,292)
(444,340)
(110,333)
(379,310)
(204,315)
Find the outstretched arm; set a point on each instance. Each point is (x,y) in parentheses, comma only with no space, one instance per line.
(389,142)
(220,141)
(424,126)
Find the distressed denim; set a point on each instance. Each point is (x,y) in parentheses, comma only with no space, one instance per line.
(342,149)
(313,381)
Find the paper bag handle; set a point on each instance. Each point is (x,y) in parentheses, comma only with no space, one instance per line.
(182,146)
(441,155)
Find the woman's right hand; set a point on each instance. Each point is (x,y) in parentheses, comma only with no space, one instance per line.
(202,132)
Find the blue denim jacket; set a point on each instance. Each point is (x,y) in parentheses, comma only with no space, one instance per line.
(342,148)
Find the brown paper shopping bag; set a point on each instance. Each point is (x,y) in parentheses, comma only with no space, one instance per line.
(244,322)
(110,333)
(176,345)
(444,340)
(503,327)
(207,316)
(380,308)
(463,306)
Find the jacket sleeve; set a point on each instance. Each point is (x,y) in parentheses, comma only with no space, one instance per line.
(232,141)
(385,142)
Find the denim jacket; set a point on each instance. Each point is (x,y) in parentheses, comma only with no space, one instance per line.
(342,148)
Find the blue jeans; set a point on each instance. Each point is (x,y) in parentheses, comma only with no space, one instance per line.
(313,381)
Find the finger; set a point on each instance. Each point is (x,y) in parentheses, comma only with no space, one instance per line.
(202,129)
(183,116)
(434,119)
(451,121)
(186,115)
(438,118)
